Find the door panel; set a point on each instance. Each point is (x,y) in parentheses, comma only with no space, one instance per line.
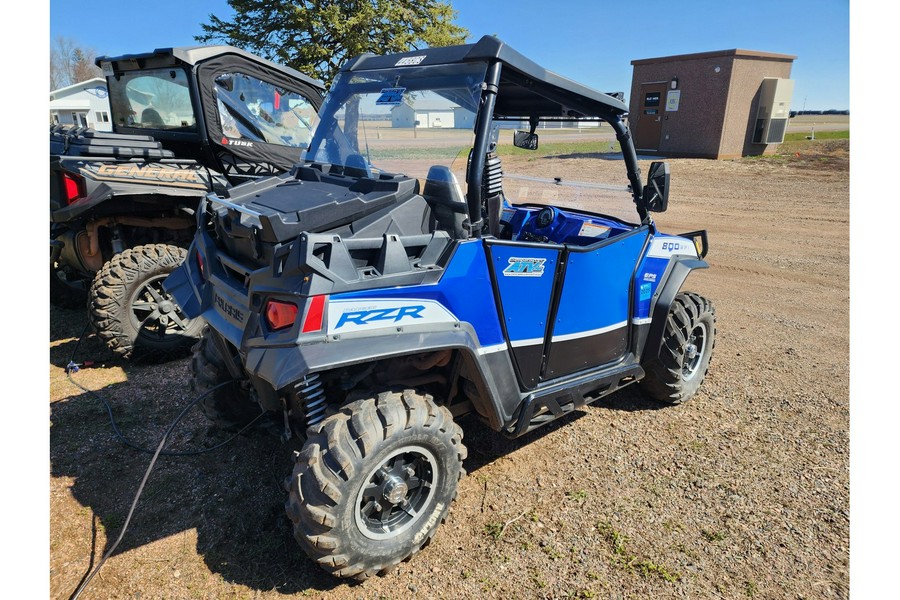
(649,120)
(523,277)
(591,325)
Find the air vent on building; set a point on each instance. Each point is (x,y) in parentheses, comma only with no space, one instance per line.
(774,110)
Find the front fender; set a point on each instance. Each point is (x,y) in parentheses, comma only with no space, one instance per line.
(678,271)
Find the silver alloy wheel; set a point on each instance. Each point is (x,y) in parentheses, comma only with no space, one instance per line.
(396,493)
(693,351)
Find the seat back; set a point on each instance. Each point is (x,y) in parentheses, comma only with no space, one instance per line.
(447,202)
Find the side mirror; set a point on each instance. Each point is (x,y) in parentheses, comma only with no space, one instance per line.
(656,192)
(525,140)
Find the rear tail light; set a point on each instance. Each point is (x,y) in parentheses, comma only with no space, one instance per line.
(73,187)
(280,315)
(200,265)
(314,314)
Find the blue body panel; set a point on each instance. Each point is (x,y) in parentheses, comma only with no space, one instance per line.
(595,293)
(653,268)
(525,284)
(464,289)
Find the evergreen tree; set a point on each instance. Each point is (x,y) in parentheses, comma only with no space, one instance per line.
(317,36)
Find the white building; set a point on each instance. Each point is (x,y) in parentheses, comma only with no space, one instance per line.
(438,114)
(85,104)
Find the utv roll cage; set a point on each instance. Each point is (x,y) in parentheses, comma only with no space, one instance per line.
(529,93)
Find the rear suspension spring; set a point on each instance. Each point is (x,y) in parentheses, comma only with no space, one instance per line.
(309,391)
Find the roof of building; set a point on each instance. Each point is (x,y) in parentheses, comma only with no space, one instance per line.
(736,52)
(421,105)
(81,84)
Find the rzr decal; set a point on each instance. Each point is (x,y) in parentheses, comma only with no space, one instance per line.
(347,316)
(525,267)
(392,315)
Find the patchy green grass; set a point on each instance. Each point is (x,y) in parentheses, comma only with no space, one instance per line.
(494,530)
(800,136)
(712,536)
(563,149)
(644,567)
(577,495)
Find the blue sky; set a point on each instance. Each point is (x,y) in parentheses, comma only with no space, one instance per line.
(590,41)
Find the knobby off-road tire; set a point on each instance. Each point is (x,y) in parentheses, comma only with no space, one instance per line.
(66,293)
(374,481)
(132,313)
(687,346)
(230,407)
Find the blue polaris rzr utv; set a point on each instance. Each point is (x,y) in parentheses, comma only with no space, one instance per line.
(397,279)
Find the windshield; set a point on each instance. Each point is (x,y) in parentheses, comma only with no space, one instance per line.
(403,120)
(251,109)
(152,99)
(580,167)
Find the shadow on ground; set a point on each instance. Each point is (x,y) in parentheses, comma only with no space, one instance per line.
(232,495)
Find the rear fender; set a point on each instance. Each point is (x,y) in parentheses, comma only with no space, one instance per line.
(498,391)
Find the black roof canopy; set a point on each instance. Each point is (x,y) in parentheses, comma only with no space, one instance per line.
(194,55)
(526,88)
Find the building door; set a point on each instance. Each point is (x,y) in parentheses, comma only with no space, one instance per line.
(649,122)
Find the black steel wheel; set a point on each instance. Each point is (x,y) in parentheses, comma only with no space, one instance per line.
(374,481)
(132,312)
(675,374)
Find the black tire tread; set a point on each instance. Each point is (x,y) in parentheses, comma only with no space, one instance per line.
(111,288)
(229,407)
(334,451)
(663,380)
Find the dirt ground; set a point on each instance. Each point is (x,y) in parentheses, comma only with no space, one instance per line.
(743,492)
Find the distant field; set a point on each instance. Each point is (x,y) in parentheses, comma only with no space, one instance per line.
(819,122)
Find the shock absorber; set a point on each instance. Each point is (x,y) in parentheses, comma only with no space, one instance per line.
(312,398)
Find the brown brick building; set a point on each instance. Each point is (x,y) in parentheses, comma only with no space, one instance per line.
(707,105)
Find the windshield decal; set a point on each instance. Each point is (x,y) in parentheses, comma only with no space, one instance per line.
(391,96)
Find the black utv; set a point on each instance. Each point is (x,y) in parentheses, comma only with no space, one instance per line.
(401,277)
(186,122)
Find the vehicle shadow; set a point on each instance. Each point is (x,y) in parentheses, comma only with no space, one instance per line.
(231,495)
(486,445)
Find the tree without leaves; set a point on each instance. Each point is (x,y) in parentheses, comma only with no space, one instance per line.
(71,63)
(317,36)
